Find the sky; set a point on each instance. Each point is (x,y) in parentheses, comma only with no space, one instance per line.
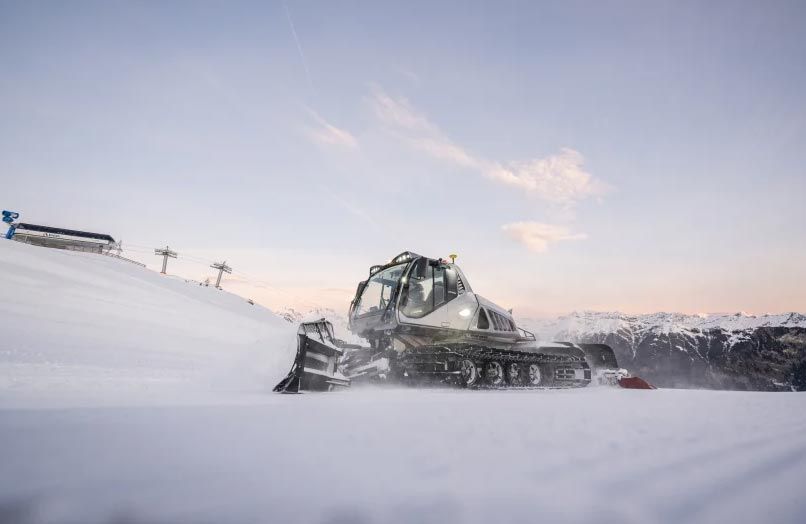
(632,156)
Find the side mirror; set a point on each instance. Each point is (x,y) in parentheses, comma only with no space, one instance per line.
(357,297)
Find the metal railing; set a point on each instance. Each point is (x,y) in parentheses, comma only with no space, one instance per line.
(113,255)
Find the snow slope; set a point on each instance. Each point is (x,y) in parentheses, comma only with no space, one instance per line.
(126,396)
(81,327)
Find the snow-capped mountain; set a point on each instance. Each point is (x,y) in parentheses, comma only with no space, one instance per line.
(589,322)
(733,351)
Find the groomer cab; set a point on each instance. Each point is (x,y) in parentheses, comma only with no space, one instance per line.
(420,292)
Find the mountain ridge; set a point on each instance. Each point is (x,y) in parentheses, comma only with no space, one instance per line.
(720,351)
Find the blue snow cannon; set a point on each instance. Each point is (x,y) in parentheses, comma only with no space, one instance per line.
(9,217)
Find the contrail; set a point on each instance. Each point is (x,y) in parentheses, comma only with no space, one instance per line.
(299,46)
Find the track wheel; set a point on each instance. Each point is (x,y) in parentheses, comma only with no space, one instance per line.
(470,373)
(494,373)
(535,377)
(514,374)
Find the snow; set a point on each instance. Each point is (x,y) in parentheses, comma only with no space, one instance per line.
(78,325)
(416,456)
(126,396)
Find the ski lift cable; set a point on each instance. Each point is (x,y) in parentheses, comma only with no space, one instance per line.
(244,276)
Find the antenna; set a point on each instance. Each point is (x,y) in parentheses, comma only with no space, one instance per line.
(165,253)
(222,268)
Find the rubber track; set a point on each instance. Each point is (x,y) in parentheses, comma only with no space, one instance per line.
(453,352)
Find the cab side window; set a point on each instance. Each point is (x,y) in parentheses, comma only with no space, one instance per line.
(453,284)
(484,322)
(429,287)
(439,286)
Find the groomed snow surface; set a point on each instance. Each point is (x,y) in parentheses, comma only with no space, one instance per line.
(127,396)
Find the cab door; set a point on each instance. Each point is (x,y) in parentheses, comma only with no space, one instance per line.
(424,298)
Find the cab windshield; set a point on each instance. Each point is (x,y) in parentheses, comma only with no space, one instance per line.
(378,290)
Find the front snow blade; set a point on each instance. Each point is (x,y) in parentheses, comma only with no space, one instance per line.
(314,367)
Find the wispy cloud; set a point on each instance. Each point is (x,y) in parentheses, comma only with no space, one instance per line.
(412,126)
(537,236)
(299,45)
(559,179)
(398,112)
(325,133)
